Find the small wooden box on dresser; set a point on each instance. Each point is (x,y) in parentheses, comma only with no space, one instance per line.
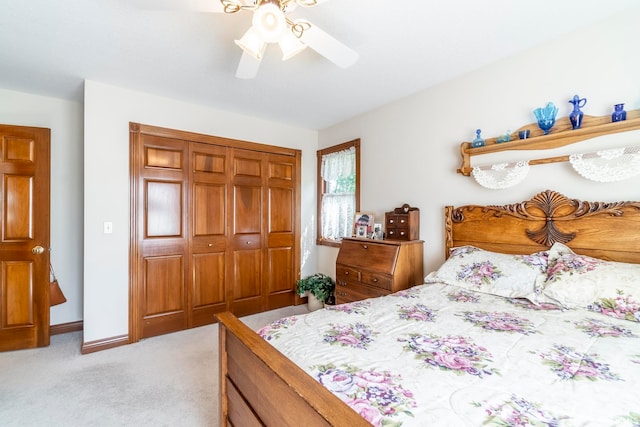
(367,268)
(403,223)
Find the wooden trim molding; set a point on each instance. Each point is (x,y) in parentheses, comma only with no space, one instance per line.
(63,328)
(104,344)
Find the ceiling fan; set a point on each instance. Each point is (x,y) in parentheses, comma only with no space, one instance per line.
(271,24)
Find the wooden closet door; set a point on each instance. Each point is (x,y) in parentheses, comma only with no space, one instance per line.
(281,248)
(215,227)
(246,219)
(163,235)
(208,232)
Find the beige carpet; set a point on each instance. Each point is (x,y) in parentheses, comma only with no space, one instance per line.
(170,380)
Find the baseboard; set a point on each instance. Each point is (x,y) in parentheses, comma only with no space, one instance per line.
(104,344)
(63,328)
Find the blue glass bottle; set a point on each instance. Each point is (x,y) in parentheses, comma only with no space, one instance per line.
(576,115)
(618,113)
(478,141)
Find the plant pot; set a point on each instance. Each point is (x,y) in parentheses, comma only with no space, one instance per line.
(314,303)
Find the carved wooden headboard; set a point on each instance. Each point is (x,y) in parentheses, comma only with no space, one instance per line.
(599,229)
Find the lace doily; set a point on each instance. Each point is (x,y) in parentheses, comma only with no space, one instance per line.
(608,165)
(502,175)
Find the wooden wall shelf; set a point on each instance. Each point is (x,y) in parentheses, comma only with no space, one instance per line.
(560,135)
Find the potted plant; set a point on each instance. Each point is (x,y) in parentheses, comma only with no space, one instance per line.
(318,287)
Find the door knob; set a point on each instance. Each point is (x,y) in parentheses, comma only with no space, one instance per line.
(37,250)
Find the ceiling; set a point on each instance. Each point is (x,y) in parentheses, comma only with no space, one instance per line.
(168,48)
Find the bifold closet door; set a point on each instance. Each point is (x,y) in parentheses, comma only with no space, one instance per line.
(208,203)
(246,218)
(280,248)
(215,227)
(163,235)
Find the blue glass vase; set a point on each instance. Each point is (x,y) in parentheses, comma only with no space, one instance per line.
(576,115)
(546,117)
(618,113)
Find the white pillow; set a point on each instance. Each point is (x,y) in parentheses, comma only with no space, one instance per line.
(513,276)
(611,288)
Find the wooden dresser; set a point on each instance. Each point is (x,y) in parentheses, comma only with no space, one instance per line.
(368,268)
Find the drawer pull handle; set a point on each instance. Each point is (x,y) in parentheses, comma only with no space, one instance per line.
(346,273)
(375,280)
(365,246)
(402,221)
(342,283)
(210,244)
(342,294)
(391,221)
(402,233)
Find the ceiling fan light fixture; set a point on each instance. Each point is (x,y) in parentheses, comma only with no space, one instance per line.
(252,43)
(270,22)
(290,45)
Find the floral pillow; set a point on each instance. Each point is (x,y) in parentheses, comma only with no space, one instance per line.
(513,276)
(611,288)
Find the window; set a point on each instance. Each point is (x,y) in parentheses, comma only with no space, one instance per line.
(338,191)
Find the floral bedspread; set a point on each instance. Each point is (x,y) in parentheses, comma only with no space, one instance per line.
(438,355)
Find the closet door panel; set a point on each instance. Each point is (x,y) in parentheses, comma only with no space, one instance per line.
(209,209)
(209,232)
(281,214)
(164,296)
(281,274)
(247,282)
(164,209)
(281,225)
(163,239)
(247,209)
(247,224)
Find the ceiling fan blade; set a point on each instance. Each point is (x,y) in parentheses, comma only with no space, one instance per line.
(328,46)
(213,6)
(309,3)
(248,66)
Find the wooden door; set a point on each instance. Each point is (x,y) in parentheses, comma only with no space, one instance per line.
(208,204)
(24,240)
(160,303)
(282,222)
(246,218)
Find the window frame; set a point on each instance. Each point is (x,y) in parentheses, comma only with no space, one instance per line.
(321,187)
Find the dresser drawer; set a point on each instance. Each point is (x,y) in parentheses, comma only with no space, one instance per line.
(398,233)
(397,221)
(363,254)
(347,273)
(382,281)
(349,291)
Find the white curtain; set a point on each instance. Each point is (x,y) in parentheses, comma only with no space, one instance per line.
(338,208)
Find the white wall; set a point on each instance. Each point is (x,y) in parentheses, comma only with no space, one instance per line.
(410,149)
(64,118)
(108,111)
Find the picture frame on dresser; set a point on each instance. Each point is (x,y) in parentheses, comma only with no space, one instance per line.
(377,234)
(363,219)
(361,231)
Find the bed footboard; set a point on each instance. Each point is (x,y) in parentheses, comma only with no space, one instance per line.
(259,386)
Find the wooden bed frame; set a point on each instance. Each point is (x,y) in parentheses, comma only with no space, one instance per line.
(260,386)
